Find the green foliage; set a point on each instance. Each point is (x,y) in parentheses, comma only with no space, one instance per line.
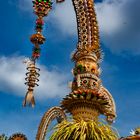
(84,130)
(3,137)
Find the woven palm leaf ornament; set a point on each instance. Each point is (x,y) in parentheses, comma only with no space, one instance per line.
(88,98)
(41,9)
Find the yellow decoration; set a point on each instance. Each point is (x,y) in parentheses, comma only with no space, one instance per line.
(84,130)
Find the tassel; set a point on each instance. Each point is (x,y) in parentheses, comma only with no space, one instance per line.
(29,99)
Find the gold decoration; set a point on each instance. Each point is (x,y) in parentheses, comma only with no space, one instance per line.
(18,136)
(50,115)
(37,38)
(87,91)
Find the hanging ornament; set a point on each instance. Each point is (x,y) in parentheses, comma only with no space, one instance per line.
(41,9)
(31,82)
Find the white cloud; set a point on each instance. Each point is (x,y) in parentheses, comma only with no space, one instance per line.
(109,16)
(12,78)
(117,22)
(63,17)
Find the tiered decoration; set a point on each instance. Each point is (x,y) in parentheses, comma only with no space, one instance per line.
(41,9)
(88,98)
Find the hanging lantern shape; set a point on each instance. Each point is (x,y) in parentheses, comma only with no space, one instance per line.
(41,9)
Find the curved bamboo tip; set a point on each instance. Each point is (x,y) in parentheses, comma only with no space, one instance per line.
(29,99)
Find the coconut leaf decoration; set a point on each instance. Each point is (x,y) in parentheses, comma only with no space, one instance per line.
(84,130)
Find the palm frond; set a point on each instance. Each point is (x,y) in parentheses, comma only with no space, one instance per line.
(84,130)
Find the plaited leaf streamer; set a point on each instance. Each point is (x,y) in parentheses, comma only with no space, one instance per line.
(84,130)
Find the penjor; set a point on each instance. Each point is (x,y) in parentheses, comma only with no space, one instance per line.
(88,98)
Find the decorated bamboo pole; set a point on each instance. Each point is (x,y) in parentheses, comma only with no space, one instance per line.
(88,98)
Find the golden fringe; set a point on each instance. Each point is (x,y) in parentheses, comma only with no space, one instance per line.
(84,130)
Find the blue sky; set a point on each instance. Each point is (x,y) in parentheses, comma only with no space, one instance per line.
(119,23)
